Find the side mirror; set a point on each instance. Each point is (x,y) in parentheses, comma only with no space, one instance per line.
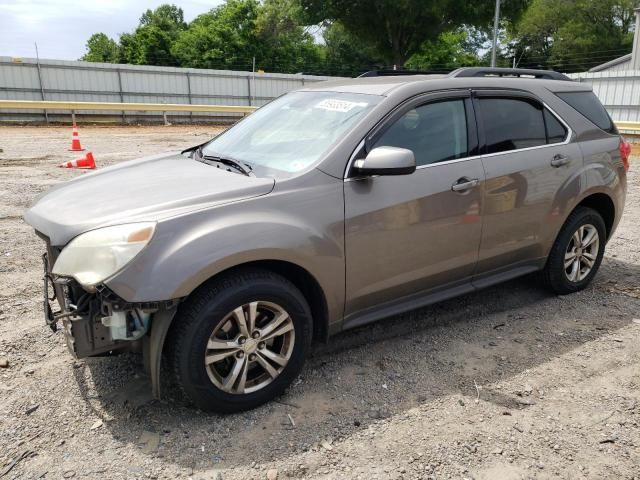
(386,161)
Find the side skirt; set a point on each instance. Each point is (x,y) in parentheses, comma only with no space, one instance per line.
(439,294)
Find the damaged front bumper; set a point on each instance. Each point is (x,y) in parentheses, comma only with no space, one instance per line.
(94,323)
(80,314)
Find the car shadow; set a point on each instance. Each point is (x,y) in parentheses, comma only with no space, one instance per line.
(370,373)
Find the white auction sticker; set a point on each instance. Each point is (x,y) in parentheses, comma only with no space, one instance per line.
(335,105)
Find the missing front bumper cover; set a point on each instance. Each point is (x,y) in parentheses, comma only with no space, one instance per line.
(80,313)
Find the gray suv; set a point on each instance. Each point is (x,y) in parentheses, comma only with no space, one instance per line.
(331,207)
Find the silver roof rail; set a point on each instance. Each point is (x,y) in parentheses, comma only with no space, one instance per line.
(508,72)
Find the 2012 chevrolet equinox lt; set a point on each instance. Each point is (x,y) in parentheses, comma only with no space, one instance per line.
(331,207)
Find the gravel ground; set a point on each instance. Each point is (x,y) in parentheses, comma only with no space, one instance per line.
(510,382)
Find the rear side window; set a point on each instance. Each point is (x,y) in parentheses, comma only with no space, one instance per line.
(589,106)
(511,124)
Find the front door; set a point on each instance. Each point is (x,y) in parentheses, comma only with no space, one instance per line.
(412,233)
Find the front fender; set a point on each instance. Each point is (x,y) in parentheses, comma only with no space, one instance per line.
(188,250)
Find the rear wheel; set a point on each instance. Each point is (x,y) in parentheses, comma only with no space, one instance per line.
(577,252)
(240,340)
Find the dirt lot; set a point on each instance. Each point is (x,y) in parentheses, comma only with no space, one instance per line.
(511,382)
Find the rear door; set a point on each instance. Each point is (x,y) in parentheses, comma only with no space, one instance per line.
(411,233)
(531,177)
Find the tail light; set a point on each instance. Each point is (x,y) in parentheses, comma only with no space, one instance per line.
(625,153)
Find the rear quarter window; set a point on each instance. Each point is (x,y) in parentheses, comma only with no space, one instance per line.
(590,107)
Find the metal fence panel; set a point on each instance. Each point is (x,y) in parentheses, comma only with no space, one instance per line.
(83,81)
(65,80)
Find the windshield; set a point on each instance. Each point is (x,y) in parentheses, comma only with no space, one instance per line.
(292,132)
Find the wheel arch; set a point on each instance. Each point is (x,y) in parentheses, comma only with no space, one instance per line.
(604,205)
(155,343)
(298,276)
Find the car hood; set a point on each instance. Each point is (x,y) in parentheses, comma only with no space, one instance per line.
(150,188)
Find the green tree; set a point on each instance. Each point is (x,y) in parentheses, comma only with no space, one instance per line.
(101,48)
(452,49)
(287,45)
(234,33)
(397,29)
(346,54)
(573,35)
(152,40)
(166,17)
(224,37)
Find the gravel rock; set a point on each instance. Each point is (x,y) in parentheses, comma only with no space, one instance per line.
(97,424)
(272,474)
(326,445)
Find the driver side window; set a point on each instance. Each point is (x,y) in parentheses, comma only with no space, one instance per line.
(435,132)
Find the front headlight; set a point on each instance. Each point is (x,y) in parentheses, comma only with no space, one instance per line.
(96,255)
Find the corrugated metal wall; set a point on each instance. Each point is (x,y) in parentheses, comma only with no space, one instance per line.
(619,92)
(64,80)
(105,82)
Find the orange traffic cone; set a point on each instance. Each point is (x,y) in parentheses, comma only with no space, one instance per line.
(75,140)
(85,162)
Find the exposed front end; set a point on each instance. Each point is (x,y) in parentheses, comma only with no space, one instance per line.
(95,321)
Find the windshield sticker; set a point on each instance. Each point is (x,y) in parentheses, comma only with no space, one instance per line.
(335,105)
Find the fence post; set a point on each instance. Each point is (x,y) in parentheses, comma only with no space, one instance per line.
(189,93)
(124,120)
(46,115)
(249,94)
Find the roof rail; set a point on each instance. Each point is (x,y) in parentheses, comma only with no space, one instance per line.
(387,72)
(508,72)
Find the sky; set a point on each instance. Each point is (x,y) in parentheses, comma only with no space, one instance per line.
(62,27)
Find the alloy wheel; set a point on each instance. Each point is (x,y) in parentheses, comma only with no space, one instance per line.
(581,253)
(250,347)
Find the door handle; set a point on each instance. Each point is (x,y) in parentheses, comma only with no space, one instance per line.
(560,160)
(464,184)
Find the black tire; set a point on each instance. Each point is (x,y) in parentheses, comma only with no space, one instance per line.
(201,313)
(554,274)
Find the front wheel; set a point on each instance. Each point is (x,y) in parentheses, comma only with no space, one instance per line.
(240,340)
(577,252)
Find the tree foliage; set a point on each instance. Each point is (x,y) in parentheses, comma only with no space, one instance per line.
(233,34)
(347,37)
(451,50)
(221,38)
(573,35)
(346,54)
(397,29)
(152,40)
(101,48)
